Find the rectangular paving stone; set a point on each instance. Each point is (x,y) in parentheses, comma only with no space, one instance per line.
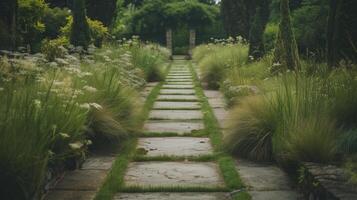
(98,163)
(180,73)
(263,177)
(171,196)
(213,94)
(70,195)
(274,195)
(176,114)
(176,146)
(179,80)
(178,91)
(178,77)
(172,126)
(180,83)
(177,86)
(171,174)
(222,116)
(177,98)
(176,105)
(217,103)
(82,180)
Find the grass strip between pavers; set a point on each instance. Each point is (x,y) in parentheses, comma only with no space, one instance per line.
(225,161)
(115,179)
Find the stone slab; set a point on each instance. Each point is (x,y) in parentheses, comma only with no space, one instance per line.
(172,127)
(178,91)
(82,180)
(152,84)
(179,80)
(260,177)
(177,86)
(179,77)
(217,103)
(176,114)
(176,105)
(176,146)
(274,195)
(180,83)
(70,195)
(171,174)
(175,73)
(171,196)
(213,94)
(177,97)
(222,116)
(98,163)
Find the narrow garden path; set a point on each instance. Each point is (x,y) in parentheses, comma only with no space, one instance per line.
(171,163)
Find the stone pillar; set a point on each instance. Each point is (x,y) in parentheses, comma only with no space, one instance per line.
(192,42)
(169,40)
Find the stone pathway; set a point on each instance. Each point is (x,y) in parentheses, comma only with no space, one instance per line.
(177,111)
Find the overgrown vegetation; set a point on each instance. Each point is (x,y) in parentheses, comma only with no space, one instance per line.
(52,114)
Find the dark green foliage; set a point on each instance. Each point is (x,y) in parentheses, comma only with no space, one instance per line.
(256,43)
(347,142)
(151,19)
(236,17)
(54,19)
(309,25)
(342,31)
(102,10)
(286,52)
(8,9)
(59,3)
(30,27)
(80,35)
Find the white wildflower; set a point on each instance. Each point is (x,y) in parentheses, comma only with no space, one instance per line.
(1,89)
(64,135)
(76,145)
(85,106)
(96,106)
(89,89)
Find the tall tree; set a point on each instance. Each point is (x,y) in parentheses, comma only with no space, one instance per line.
(103,10)
(236,17)
(80,35)
(342,32)
(8,16)
(256,43)
(286,52)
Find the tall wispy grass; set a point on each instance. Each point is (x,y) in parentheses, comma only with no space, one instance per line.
(50,116)
(215,60)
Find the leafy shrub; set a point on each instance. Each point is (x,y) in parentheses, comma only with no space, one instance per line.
(98,32)
(30,13)
(54,48)
(54,19)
